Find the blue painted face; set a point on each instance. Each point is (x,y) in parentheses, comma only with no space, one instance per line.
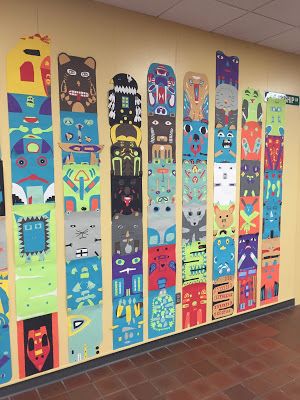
(225,145)
(271,218)
(273,185)
(32,170)
(31,149)
(162,180)
(33,235)
(127,320)
(224,260)
(84,282)
(195,140)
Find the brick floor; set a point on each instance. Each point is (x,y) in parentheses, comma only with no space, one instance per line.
(255,360)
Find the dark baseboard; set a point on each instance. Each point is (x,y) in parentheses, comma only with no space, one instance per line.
(83,367)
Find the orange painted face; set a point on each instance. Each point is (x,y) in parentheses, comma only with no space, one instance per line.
(38,347)
(251,141)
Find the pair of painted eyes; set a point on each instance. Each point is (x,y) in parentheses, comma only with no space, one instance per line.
(120,227)
(157,209)
(227,241)
(222,134)
(254,168)
(188,128)
(74,226)
(276,109)
(72,72)
(233,59)
(155,122)
(22,162)
(70,121)
(191,82)
(134,261)
(118,152)
(190,213)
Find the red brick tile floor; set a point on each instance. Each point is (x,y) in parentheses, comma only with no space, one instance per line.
(255,360)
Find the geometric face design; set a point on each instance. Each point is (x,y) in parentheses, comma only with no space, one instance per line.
(127,233)
(162,267)
(31,145)
(81,187)
(195,97)
(226,106)
(193,305)
(249,215)
(84,283)
(161,180)
(78,127)
(227,69)
(225,145)
(251,108)
(161,311)
(223,297)
(274,153)
(224,183)
(250,178)
(224,260)
(85,333)
(127,273)
(275,117)
(33,236)
(38,344)
(247,252)
(251,141)
(194,262)
(126,195)
(124,102)
(195,140)
(161,225)
(82,235)
(128,316)
(194,180)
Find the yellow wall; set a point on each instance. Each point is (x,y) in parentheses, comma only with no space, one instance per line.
(122,41)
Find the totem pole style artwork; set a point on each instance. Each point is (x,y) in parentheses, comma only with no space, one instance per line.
(124,105)
(33,198)
(272,200)
(249,215)
(226,113)
(5,354)
(81,187)
(161,98)
(194,198)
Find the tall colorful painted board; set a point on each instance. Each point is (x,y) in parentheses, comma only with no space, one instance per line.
(124,105)
(81,185)
(194,198)
(5,355)
(226,114)
(272,200)
(249,215)
(161,99)
(33,195)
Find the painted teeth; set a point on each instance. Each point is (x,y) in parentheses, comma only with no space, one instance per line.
(78,92)
(125,89)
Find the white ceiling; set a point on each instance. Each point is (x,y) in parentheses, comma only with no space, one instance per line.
(273,23)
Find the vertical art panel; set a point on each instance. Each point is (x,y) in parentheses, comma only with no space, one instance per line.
(32,169)
(5,355)
(194,198)
(161,92)
(81,187)
(226,113)
(272,200)
(124,105)
(251,139)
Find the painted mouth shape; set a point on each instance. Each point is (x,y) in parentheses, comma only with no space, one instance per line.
(78,93)
(127,200)
(162,170)
(82,252)
(226,144)
(32,177)
(31,120)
